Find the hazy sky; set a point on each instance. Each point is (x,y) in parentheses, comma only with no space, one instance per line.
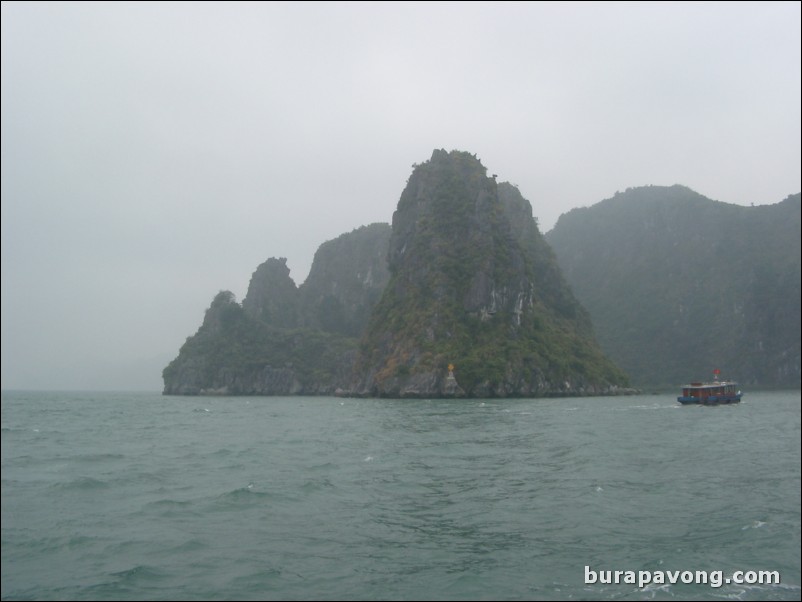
(154,154)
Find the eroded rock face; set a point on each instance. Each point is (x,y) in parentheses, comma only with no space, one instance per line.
(347,279)
(462,297)
(272,296)
(234,353)
(679,284)
(474,285)
(283,339)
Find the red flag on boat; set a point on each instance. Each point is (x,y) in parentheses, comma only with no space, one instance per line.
(716,371)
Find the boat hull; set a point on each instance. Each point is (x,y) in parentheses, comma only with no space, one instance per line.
(710,401)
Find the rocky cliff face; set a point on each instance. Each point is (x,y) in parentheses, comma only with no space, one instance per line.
(234,353)
(679,284)
(470,307)
(272,296)
(284,339)
(462,297)
(347,278)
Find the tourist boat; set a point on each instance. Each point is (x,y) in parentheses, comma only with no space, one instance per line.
(724,391)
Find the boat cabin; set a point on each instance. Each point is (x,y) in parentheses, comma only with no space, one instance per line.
(717,392)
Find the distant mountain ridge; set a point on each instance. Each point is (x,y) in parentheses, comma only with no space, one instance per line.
(462,298)
(678,284)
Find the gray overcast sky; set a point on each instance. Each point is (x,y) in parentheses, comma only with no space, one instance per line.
(154,154)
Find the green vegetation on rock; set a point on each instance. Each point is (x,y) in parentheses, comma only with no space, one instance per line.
(346,281)
(236,354)
(285,339)
(678,284)
(470,286)
(462,297)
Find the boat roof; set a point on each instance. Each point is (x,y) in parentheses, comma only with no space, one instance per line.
(720,383)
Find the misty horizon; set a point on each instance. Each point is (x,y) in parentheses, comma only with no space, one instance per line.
(155,154)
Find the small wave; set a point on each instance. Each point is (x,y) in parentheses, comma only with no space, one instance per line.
(654,589)
(191,545)
(81,484)
(169,504)
(13,429)
(242,491)
(243,495)
(256,581)
(774,591)
(139,573)
(654,406)
(755,525)
(140,477)
(99,457)
(327,466)
(58,544)
(792,589)
(316,485)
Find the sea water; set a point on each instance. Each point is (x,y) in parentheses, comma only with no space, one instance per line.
(139,496)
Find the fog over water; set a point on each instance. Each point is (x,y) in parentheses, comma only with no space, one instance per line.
(153,154)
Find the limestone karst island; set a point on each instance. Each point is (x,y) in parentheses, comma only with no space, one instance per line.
(461,297)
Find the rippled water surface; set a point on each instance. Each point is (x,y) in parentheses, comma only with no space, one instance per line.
(139,496)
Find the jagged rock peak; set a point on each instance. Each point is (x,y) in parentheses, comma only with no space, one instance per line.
(272,295)
(462,297)
(214,316)
(347,278)
(465,291)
